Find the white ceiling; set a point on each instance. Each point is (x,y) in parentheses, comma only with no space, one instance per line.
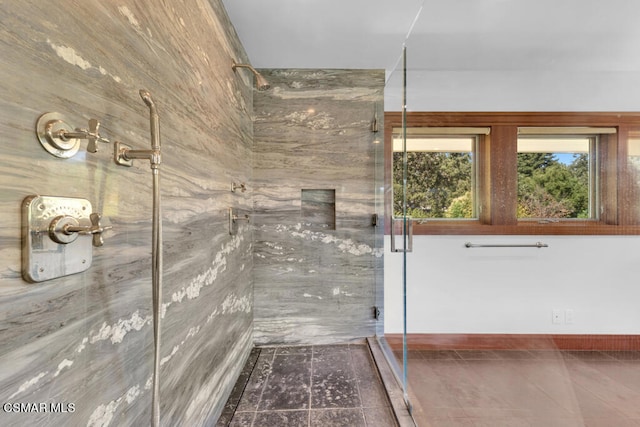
(322,33)
(461,54)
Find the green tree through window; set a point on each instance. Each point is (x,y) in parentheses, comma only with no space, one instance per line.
(439,184)
(549,187)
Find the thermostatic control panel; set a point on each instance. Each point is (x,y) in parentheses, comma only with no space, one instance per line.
(58,235)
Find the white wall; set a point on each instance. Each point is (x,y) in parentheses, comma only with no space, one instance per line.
(520,58)
(453,289)
(520,90)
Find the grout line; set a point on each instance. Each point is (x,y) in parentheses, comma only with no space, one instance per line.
(310,386)
(264,386)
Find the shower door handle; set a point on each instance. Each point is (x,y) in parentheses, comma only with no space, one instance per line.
(409,235)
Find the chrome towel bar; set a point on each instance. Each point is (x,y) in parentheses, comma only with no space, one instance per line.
(507,245)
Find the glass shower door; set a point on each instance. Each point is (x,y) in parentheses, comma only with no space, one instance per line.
(506,332)
(400,231)
(401,217)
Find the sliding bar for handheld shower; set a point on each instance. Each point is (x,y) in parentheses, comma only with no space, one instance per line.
(124,155)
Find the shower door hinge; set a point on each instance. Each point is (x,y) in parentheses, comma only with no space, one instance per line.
(376,313)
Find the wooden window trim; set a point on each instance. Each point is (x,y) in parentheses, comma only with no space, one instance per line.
(497,166)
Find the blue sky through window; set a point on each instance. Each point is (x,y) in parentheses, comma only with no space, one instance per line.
(565,158)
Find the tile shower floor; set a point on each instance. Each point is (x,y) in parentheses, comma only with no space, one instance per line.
(513,388)
(324,386)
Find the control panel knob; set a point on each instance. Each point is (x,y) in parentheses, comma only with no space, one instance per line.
(65,229)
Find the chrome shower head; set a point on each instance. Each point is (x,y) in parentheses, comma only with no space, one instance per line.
(261,82)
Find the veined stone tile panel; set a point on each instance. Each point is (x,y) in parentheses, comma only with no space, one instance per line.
(87,339)
(313,131)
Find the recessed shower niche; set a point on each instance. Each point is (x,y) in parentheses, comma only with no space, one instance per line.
(318,209)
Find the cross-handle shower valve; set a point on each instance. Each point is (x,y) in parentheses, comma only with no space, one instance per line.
(59,139)
(65,229)
(91,135)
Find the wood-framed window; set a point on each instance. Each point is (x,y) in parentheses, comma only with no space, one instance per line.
(507,188)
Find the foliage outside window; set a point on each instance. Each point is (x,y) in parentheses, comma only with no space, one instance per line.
(440,177)
(585,181)
(555,179)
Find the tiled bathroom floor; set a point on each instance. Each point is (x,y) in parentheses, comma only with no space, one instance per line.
(513,388)
(323,386)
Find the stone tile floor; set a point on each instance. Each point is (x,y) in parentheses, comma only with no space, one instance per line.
(310,386)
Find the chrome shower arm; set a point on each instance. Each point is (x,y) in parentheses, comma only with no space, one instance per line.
(261,82)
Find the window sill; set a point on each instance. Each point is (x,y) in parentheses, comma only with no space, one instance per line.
(570,228)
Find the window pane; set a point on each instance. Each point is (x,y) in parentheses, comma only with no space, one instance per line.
(440,176)
(634,154)
(633,160)
(555,177)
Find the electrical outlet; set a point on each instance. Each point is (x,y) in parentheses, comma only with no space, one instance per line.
(557,317)
(568,316)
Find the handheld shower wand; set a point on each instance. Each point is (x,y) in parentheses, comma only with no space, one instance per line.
(153,118)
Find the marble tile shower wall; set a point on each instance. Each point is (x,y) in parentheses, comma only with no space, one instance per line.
(85,341)
(315,282)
